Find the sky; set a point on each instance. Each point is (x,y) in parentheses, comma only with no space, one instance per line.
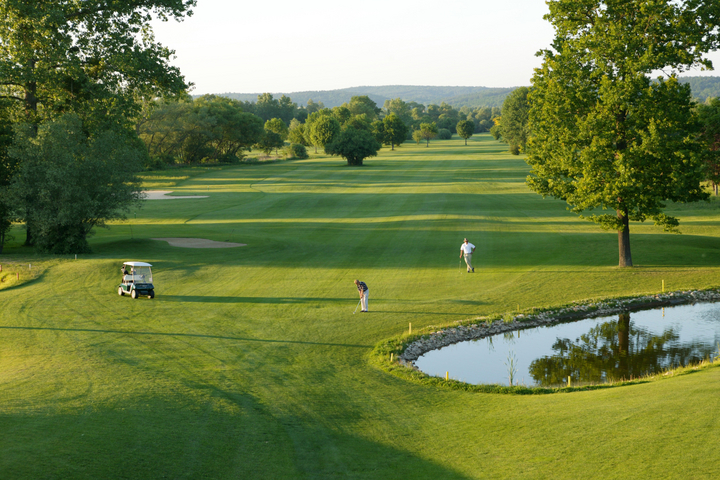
(291,46)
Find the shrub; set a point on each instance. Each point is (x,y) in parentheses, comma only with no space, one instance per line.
(444,134)
(295,150)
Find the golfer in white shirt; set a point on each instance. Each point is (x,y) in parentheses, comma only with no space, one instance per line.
(467,250)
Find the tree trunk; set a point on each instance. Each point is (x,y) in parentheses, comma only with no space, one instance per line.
(29,239)
(31,100)
(466,142)
(624,345)
(392,146)
(624,240)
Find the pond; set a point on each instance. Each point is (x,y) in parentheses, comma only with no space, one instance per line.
(591,351)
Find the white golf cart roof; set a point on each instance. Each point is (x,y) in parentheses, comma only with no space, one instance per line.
(137,264)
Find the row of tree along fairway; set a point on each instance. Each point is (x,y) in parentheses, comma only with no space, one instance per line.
(250,364)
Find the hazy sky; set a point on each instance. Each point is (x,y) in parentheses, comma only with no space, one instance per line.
(289,46)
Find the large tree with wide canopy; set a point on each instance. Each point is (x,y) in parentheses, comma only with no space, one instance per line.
(605,135)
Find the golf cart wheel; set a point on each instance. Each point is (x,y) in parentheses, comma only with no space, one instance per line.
(134,294)
(151,294)
(120,291)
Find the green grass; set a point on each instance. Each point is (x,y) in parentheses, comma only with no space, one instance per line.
(250,364)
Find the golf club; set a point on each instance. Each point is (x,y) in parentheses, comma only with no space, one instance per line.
(357,306)
(459,262)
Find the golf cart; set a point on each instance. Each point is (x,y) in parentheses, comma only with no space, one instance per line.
(136,280)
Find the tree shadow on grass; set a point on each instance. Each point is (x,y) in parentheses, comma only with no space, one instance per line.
(176,334)
(158,436)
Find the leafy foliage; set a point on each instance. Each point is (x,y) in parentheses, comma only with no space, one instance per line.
(322,128)
(363,105)
(269,141)
(67,183)
(268,108)
(7,168)
(605,135)
(297,133)
(92,57)
(394,130)
(354,145)
(295,150)
(417,135)
(210,128)
(514,120)
(428,131)
(465,128)
(277,126)
(709,116)
(444,134)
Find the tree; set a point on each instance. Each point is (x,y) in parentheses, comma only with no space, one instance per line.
(417,135)
(363,104)
(709,115)
(269,141)
(399,108)
(276,125)
(465,128)
(496,129)
(288,109)
(394,129)
(514,120)
(68,182)
(428,131)
(322,128)
(604,135)
(209,128)
(229,131)
(297,133)
(267,107)
(354,146)
(94,58)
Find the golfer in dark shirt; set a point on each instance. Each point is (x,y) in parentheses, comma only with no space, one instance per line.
(363,291)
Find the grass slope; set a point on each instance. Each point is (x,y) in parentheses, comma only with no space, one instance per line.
(250,364)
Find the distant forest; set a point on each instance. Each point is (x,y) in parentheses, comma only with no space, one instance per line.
(703,87)
(472,97)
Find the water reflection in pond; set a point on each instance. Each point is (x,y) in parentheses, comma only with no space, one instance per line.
(588,351)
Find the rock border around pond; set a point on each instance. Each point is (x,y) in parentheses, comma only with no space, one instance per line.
(488,326)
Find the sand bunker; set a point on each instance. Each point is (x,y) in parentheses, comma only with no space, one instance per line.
(198,243)
(163,195)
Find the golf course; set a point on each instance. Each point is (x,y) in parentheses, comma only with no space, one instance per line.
(250,362)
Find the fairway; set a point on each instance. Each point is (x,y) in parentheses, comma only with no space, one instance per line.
(249,362)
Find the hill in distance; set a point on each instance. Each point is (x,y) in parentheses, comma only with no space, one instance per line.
(702,88)
(426,95)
